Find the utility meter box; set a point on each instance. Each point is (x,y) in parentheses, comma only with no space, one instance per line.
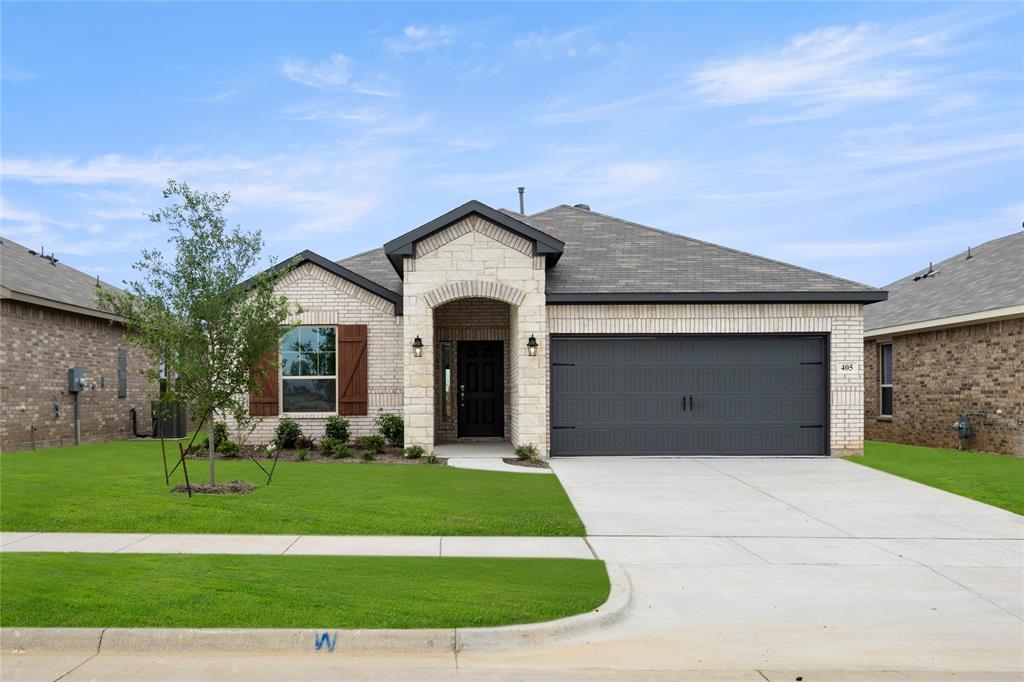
(76,380)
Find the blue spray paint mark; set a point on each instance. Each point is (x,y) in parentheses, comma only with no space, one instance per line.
(325,639)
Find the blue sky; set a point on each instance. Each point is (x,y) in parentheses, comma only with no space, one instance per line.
(859,139)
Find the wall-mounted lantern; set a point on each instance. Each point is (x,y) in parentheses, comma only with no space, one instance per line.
(531,346)
(417,347)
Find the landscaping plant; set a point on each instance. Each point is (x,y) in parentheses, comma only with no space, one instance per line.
(341,451)
(207,327)
(337,428)
(372,446)
(414,452)
(301,454)
(391,427)
(527,452)
(287,434)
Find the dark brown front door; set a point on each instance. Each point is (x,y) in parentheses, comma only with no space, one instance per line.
(481,389)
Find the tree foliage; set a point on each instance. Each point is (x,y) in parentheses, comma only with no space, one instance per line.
(195,311)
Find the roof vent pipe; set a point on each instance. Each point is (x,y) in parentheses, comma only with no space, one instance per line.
(582,207)
(522,204)
(969,256)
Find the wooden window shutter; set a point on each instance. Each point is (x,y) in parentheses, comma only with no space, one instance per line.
(263,400)
(352,383)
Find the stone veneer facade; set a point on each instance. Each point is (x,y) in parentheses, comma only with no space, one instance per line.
(475,258)
(37,347)
(842,322)
(939,375)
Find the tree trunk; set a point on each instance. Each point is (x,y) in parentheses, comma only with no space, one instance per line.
(212,480)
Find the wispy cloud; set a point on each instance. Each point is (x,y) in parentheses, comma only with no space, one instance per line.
(830,69)
(572,43)
(331,73)
(421,38)
(13,74)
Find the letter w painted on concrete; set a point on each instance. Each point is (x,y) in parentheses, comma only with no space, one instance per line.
(324,639)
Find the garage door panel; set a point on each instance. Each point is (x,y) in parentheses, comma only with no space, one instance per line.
(751,395)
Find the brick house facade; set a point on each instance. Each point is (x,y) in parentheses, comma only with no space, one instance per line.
(951,340)
(46,327)
(452,326)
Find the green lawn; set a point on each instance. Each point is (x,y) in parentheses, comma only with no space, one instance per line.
(994,479)
(182,590)
(119,486)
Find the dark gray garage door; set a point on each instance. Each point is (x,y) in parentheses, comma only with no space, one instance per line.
(688,395)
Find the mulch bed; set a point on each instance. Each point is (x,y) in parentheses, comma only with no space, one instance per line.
(229,488)
(391,455)
(528,463)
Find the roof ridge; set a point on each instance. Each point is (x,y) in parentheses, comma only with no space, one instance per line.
(7,242)
(717,246)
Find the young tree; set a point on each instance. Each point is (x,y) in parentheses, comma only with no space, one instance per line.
(196,312)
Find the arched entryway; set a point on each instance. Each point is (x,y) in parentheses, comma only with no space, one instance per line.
(472,370)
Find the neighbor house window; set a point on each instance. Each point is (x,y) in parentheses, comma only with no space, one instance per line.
(885,364)
(309,382)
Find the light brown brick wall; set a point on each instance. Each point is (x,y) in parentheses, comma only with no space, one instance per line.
(37,346)
(468,319)
(938,375)
(843,323)
(329,300)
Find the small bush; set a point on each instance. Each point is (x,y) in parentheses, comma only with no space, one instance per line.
(288,432)
(341,451)
(369,455)
(229,448)
(220,435)
(305,442)
(337,428)
(372,444)
(391,427)
(271,451)
(301,454)
(527,452)
(327,445)
(414,452)
(431,459)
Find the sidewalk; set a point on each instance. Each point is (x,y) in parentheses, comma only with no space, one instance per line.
(324,545)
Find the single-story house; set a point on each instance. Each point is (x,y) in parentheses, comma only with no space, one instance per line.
(580,333)
(50,323)
(948,346)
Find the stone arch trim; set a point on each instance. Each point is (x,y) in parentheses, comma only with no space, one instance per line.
(474,289)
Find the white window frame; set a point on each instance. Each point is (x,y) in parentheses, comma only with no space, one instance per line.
(881,380)
(282,377)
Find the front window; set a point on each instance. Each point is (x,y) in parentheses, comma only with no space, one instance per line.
(446,382)
(885,357)
(308,361)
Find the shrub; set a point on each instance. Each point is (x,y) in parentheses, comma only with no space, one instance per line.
(391,427)
(369,455)
(288,432)
(328,444)
(341,451)
(527,452)
(372,444)
(271,451)
(220,434)
(301,454)
(337,428)
(229,448)
(431,459)
(414,452)
(305,442)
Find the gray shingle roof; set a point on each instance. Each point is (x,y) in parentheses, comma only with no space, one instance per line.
(992,278)
(604,254)
(609,255)
(375,266)
(33,275)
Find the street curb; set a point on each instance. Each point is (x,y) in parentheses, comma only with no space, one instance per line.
(242,640)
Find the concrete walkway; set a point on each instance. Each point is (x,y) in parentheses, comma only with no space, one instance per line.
(324,545)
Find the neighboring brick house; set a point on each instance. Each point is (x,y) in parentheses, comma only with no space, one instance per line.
(949,344)
(580,333)
(49,323)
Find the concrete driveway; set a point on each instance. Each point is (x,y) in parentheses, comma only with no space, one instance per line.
(797,565)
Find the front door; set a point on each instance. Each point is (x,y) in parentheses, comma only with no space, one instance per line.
(481,383)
